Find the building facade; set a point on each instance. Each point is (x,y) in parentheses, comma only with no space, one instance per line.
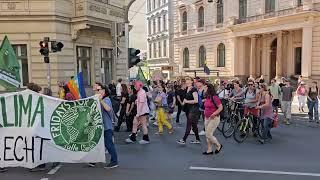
(160,30)
(242,38)
(87,28)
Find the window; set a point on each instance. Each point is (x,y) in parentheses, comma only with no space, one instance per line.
(201,17)
(154,50)
(220,12)
(221,55)
(242,9)
(185,21)
(106,65)
(159,24)
(165,48)
(149,5)
(159,49)
(270,6)
(299,3)
(149,27)
(83,63)
(154,26)
(186,58)
(150,51)
(202,56)
(165,22)
(22,56)
(154,4)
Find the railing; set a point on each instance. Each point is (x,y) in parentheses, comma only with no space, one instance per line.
(268,15)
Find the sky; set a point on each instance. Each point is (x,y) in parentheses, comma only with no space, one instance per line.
(138,20)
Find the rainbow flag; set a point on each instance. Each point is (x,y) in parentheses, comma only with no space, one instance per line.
(76,86)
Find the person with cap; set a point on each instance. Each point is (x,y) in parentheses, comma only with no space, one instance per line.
(141,116)
(287,92)
(302,93)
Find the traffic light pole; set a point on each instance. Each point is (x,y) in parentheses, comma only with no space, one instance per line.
(126,29)
(49,75)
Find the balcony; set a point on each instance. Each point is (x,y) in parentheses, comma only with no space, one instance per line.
(268,15)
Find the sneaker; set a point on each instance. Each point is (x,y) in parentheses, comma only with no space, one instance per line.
(181,142)
(261,141)
(287,123)
(92,164)
(171,131)
(155,123)
(202,133)
(111,166)
(129,141)
(3,170)
(191,132)
(144,142)
(195,142)
(208,153)
(159,133)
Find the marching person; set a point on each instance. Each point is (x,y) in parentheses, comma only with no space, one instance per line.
(106,108)
(275,92)
(141,117)
(287,98)
(171,100)
(162,104)
(266,113)
(131,110)
(212,108)
(180,94)
(313,102)
(123,106)
(302,93)
(192,112)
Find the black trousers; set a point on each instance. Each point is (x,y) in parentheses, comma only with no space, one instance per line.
(121,119)
(179,113)
(192,123)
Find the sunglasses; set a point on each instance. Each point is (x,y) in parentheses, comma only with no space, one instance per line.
(250,84)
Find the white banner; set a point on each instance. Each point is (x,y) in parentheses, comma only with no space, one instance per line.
(37,129)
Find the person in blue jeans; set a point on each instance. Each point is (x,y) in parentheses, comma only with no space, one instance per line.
(313,102)
(107,116)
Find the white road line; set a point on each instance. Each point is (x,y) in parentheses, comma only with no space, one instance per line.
(255,171)
(54,170)
(44,179)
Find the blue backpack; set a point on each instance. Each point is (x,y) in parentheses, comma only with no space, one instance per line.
(200,98)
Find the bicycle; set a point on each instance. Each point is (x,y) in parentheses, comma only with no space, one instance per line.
(227,111)
(243,127)
(230,123)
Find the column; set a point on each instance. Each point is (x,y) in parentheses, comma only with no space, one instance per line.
(234,57)
(279,55)
(253,56)
(306,52)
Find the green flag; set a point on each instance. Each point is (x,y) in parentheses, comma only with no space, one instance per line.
(140,76)
(9,66)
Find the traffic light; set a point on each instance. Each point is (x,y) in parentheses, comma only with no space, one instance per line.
(134,59)
(56,46)
(44,48)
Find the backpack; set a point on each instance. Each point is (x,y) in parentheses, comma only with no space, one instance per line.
(245,93)
(223,112)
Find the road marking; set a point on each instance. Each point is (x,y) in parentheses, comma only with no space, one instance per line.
(255,171)
(54,170)
(44,179)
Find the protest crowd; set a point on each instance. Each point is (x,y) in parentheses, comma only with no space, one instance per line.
(226,105)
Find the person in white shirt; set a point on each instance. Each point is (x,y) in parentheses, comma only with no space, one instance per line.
(118,88)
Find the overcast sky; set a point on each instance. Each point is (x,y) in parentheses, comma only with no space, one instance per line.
(138,20)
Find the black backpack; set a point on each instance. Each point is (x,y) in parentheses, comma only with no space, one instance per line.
(222,114)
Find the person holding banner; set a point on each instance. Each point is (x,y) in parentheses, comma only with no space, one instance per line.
(141,117)
(107,116)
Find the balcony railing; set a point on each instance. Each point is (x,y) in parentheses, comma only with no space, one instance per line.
(284,12)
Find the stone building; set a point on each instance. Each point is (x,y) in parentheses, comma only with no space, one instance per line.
(159,37)
(87,28)
(246,38)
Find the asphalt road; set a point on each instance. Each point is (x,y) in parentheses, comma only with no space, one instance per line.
(293,154)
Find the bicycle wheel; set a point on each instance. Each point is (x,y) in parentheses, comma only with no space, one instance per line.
(220,125)
(260,128)
(228,126)
(241,131)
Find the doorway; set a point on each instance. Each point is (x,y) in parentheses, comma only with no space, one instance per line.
(273,59)
(297,60)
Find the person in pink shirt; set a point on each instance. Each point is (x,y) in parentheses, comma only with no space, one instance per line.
(302,95)
(141,117)
(212,109)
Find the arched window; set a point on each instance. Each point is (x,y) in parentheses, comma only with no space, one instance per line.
(270,6)
(242,9)
(220,12)
(201,17)
(186,58)
(221,55)
(202,56)
(184,21)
